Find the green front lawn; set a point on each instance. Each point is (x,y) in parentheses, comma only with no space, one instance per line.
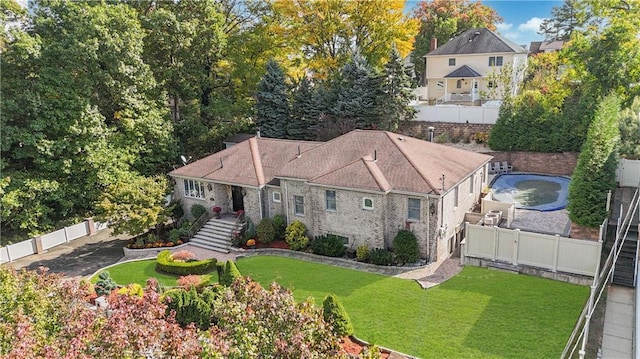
(139,272)
(479,313)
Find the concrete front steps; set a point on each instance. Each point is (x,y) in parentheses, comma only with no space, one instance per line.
(215,235)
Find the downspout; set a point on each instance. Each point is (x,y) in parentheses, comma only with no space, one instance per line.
(260,201)
(286,201)
(428,225)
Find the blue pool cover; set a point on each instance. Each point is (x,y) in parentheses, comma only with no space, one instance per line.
(531,191)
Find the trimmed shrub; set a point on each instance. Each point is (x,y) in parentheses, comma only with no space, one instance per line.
(165,263)
(328,245)
(131,290)
(191,306)
(362,253)
(381,257)
(176,209)
(295,236)
(230,274)
(266,233)
(197,210)
(335,314)
(405,247)
(250,230)
(192,281)
(279,225)
(105,284)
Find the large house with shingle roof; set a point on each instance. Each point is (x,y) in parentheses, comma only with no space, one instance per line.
(465,69)
(363,186)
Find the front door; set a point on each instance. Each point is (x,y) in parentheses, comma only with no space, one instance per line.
(237,198)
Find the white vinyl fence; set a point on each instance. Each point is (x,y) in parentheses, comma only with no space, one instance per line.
(457,114)
(67,234)
(554,253)
(628,173)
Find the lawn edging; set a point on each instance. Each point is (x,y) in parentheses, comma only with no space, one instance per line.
(382,349)
(338,262)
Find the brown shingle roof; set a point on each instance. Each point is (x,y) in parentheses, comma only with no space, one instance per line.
(404,163)
(250,163)
(366,160)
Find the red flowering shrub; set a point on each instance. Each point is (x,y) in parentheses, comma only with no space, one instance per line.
(183,255)
(189,281)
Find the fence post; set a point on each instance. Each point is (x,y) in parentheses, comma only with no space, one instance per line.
(66,235)
(495,243)
(556,253)
(38,241)
(516,247)
(91,226)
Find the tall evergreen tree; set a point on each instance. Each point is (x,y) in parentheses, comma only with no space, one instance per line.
(396,94)
(564,20)
(305,112)
(357,88)
(272,103)
(594,175)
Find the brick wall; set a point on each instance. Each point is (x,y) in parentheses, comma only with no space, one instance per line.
(549,163)
(461,131)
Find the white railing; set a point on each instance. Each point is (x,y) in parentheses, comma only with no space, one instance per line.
(580,333)
(34,245)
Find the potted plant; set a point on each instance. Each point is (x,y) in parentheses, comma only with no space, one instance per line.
(251,243)
(217,210)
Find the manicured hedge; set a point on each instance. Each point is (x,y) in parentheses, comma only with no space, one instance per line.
(165,263)
(328,245)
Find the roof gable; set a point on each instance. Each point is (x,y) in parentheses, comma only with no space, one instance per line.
(463,71)
(478,41)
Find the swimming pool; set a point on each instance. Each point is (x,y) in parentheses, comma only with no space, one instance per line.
(531,191)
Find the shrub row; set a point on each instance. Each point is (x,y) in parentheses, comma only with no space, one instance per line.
(165,263)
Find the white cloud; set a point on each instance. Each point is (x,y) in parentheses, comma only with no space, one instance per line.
(503,26)
(532,24)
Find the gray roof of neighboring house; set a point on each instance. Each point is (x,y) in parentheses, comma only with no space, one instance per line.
(361,159)
(463,71)
(478,41)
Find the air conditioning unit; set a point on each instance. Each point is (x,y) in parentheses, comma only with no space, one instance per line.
(497,213)
(488,221)
(491,219)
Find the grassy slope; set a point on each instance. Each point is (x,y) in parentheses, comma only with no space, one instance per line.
(477,314)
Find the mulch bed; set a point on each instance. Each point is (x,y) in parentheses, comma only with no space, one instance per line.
(275,244)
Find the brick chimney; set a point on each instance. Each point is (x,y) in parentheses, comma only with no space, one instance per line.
(434,44)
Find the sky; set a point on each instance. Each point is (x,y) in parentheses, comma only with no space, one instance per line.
(521,18)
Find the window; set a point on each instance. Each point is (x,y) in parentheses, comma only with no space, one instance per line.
(455,197)
(330,200)
(193,189)
(414,209)
(491,85)
(459,84)
(367,203)
(298,205)
(495,60)
(473,179)
(440,84)
(452,62)
(277,197)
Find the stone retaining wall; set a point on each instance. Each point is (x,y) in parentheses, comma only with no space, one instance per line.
(460,131)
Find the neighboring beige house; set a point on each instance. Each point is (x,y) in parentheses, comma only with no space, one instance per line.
(363,186)
(465,70)
(538,47)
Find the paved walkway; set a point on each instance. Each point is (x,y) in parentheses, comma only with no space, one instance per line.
(85,256)
(617,340)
